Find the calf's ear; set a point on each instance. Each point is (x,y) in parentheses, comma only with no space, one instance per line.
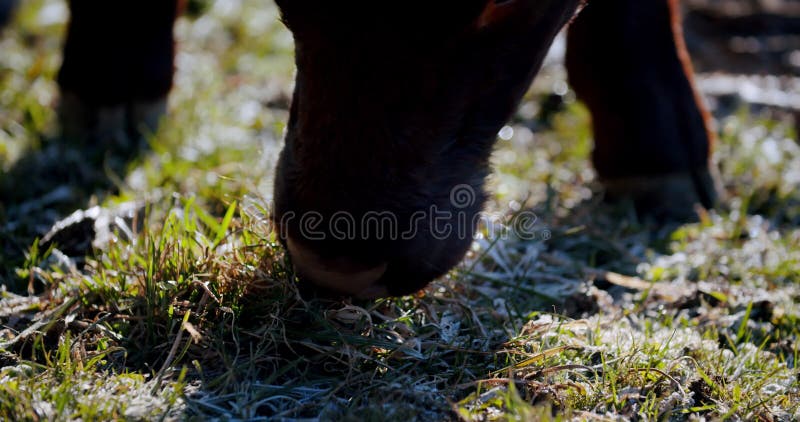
(510,14)
(365,15)
(495,12)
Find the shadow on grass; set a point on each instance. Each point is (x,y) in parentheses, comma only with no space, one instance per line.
(45,186)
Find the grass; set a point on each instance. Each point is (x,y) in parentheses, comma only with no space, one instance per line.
(188,309)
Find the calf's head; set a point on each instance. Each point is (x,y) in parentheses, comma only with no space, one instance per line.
(395,110)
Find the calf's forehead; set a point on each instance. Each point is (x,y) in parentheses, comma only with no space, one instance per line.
(376,14)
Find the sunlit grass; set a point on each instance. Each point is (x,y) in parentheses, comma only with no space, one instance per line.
(190,308)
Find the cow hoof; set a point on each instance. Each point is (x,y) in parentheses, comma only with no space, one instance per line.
(668,198)
(121,128)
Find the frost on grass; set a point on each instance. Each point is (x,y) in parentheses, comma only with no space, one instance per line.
(27,393)
(714,346)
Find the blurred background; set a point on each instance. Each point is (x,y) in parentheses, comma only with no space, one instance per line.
(757,38)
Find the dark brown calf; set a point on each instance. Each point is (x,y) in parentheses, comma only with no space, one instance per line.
(396,108)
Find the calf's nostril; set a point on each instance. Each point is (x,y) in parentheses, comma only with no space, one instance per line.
(339,275)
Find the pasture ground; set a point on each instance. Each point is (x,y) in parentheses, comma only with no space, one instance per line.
(187,307)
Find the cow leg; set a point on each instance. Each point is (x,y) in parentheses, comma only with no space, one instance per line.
(6,10)
(627,61)
(117,69)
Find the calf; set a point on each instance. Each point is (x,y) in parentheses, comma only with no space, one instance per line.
(397,105)
(396,108)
